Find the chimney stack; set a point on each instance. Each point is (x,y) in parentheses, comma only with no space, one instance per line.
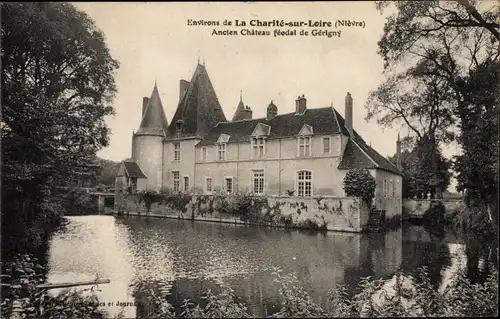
(348,113)
(183,88)
(145,101)
(246,114)
(300,105)
(272,110)
(399,164)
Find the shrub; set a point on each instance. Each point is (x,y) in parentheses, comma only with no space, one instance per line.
(178,201)
(296,302)
(19,291)
(286,221)
(221,204)
(148,197)
(309,224)
(359,182)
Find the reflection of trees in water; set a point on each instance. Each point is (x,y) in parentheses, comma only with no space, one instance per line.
(430,252)
(480,252)
(250,292)
(428,246)
(377,259)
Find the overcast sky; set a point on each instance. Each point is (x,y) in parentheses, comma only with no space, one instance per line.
(153,42)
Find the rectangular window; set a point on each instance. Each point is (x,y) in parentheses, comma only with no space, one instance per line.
(177,151)
(186,183)
(229,185)
(176,179)
(385,188)
(305,146)
(304,183)
(222,152)
(258,147)
(326,145)
(203,153)
(132,184)
(208,184)
(258,181)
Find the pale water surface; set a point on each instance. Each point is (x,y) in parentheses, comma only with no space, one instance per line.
(181,259)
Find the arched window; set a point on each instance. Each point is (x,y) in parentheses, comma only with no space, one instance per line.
(304,183)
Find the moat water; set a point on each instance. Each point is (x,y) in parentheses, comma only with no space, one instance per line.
(182,259)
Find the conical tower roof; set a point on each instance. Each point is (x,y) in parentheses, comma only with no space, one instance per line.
(154,120)
(199,109)
(239,109)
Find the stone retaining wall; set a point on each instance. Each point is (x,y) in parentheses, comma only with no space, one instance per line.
(416,208)
(322,213)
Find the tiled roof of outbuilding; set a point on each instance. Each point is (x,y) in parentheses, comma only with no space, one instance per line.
(132,169)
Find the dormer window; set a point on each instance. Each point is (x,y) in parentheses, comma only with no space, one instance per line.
(304,141)
(258,140)
(221,146)
(178,127)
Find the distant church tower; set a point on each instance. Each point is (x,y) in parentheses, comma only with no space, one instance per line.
(147,142)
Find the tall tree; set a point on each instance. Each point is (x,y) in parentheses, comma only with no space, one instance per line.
(477,166)
(415,100)
(454,41)
(441,39)
(57,87)
(425,170)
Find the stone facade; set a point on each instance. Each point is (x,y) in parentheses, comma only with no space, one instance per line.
(306,153)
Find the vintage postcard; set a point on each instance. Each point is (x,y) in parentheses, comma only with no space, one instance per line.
(250,159)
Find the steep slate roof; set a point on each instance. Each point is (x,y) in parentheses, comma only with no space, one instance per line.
(325,121)
(354,157)
(132,169)
(285,125)
(154,121)
(358,154)
(199,109)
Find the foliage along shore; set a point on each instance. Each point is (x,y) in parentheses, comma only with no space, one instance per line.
(413,296)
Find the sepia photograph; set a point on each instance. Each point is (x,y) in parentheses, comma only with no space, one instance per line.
(249,159)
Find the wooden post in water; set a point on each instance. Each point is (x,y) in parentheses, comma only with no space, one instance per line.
(73,284)
(100,203)
(17,311)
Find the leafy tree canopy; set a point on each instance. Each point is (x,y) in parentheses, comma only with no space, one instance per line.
(57,87)
(425,170)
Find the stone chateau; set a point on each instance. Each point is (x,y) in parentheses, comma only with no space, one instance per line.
(305,153)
